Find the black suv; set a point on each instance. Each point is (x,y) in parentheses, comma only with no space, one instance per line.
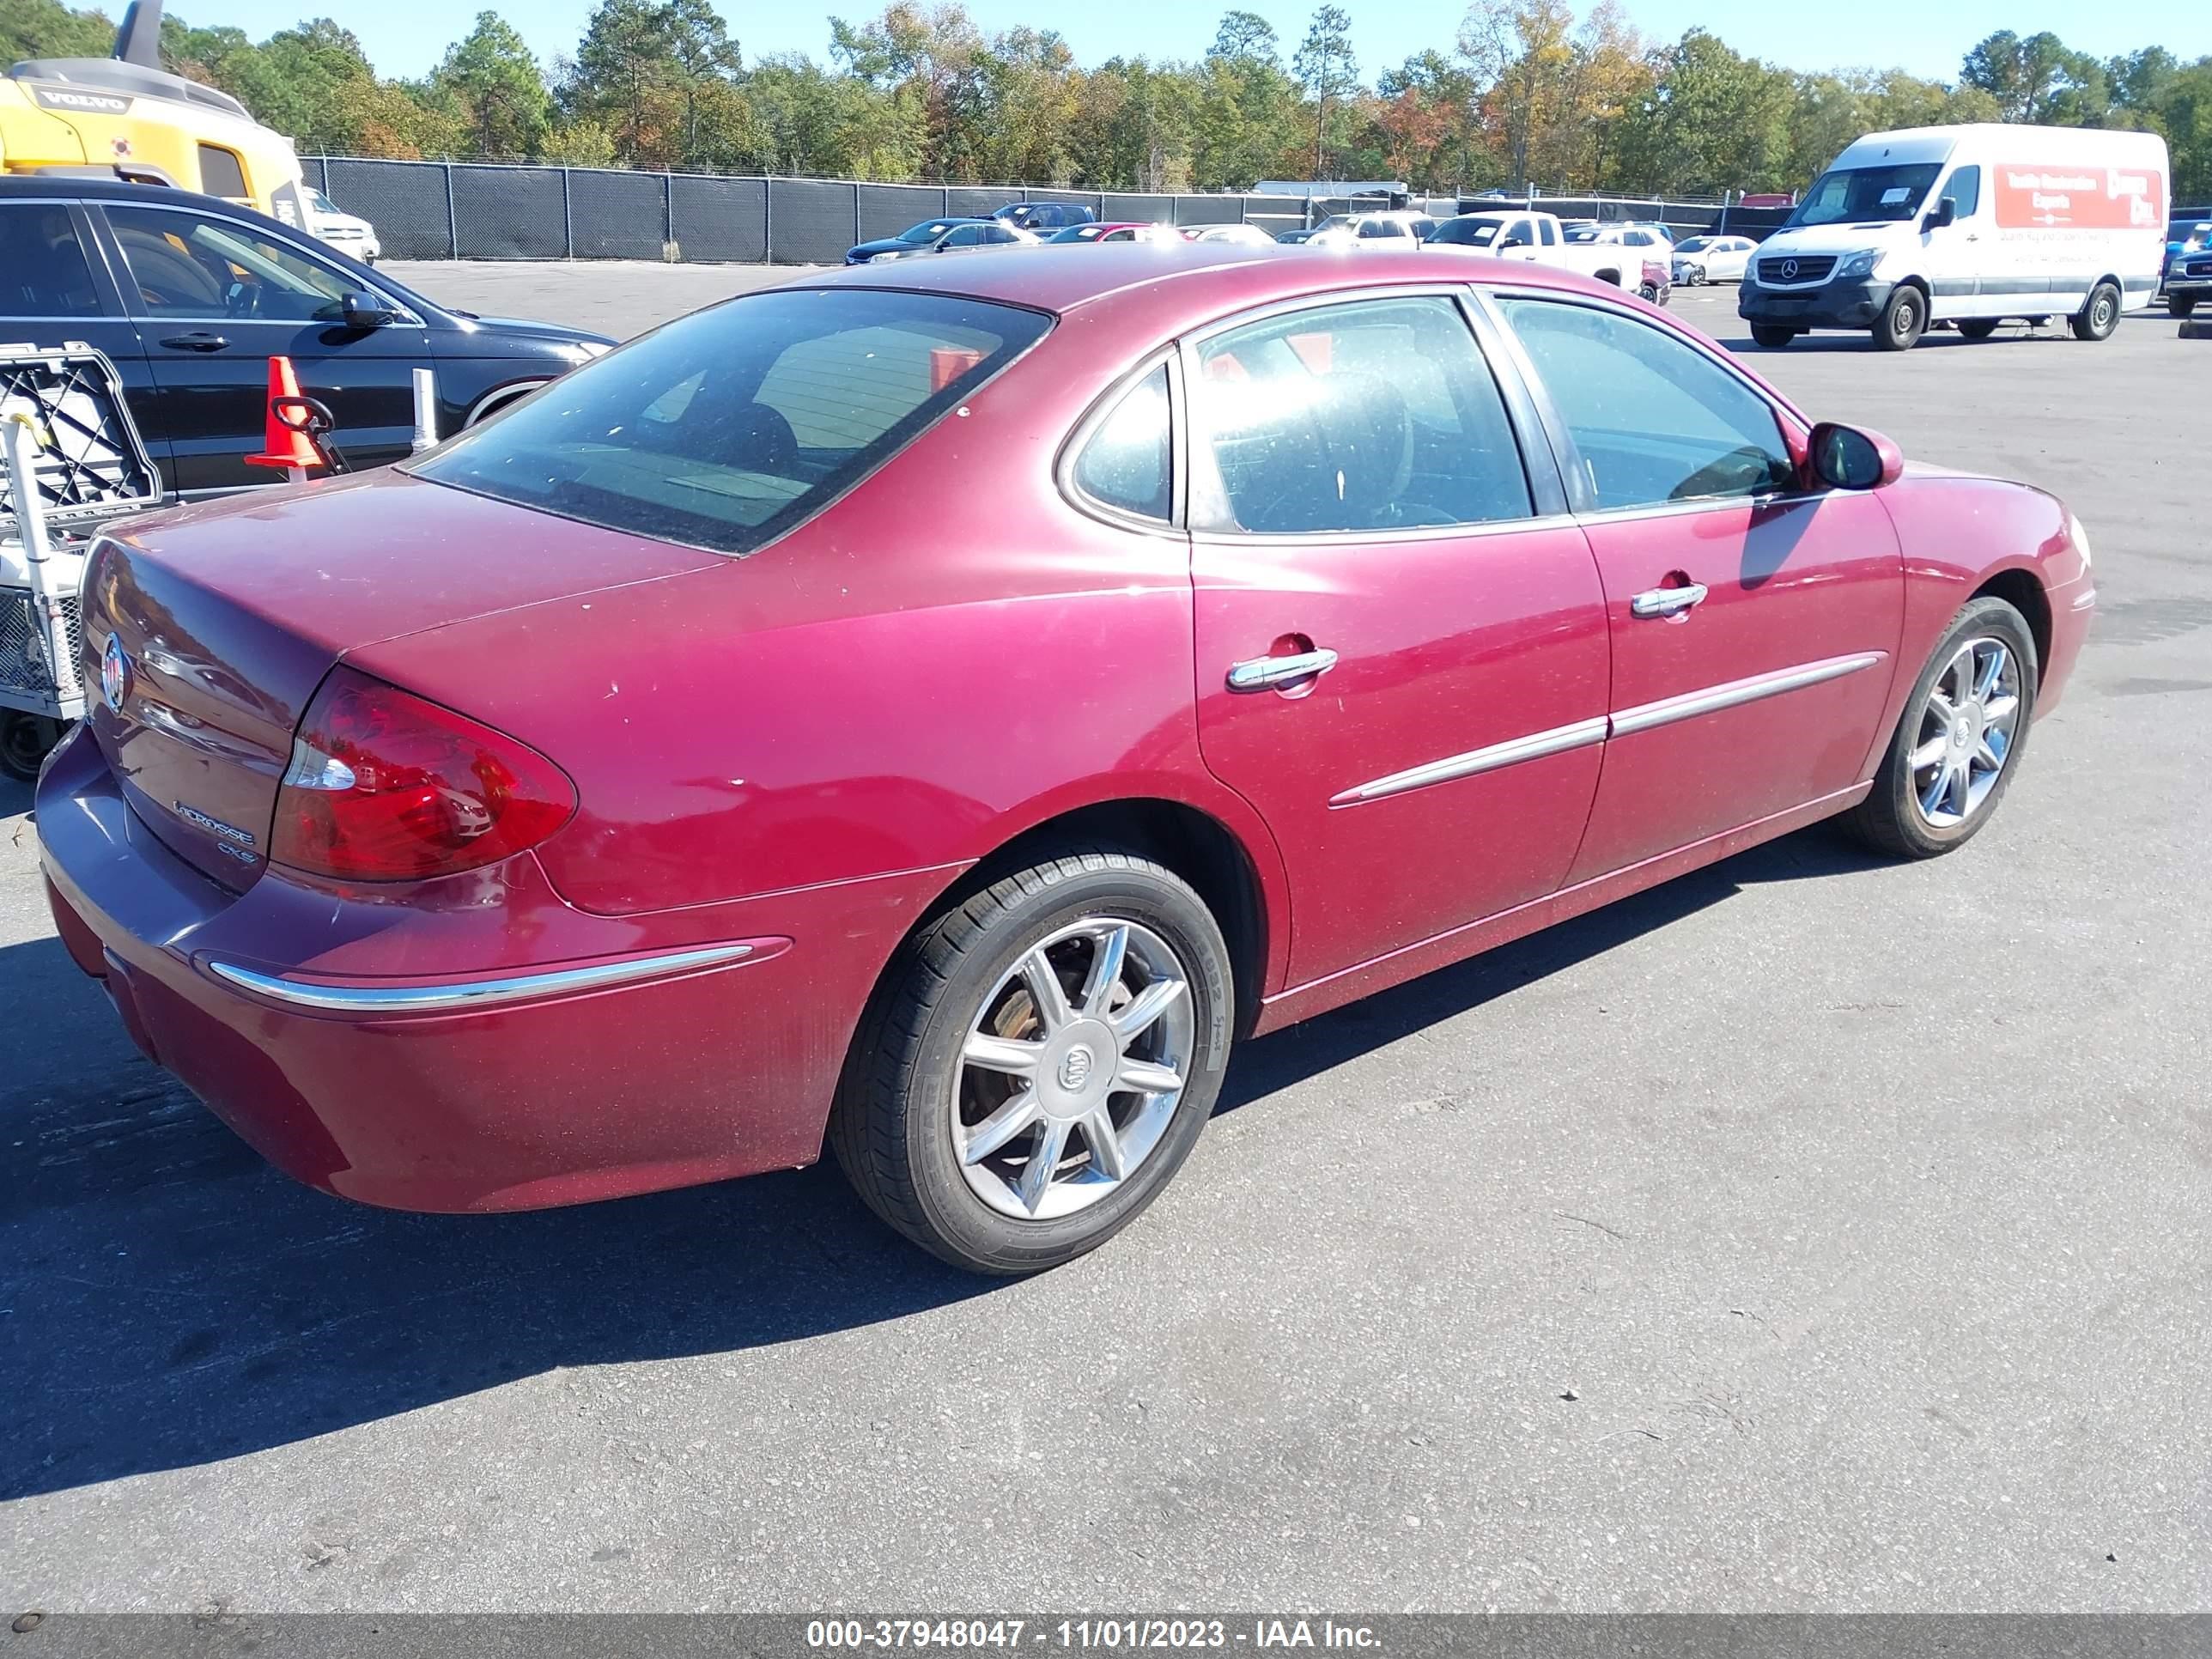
(191,295)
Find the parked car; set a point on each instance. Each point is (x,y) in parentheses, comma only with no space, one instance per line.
(1240,235)
(746,792)
(191,296)
(1607,253)
(1042,219)
(347,232)
(1395,227)
(1116,231)
(1700,259)
(1971,225)
(939,236)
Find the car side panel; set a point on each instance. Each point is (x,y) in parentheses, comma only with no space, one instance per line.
(1937,514)
(906,683)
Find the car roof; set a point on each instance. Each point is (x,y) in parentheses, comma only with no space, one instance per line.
(1173,283)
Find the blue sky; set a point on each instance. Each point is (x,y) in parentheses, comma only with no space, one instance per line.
(407,37)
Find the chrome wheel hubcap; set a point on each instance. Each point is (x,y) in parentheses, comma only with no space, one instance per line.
(1967,732)
(1072,1068)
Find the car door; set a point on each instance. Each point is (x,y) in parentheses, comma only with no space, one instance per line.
(961,236)
(55,286)
(215,298)
(1952,253)
(1518,240)
(1754,623)
(1400,635)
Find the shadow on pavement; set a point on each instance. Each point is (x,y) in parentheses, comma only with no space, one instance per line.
(168,1300)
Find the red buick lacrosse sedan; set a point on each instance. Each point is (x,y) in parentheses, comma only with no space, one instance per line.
(932,711)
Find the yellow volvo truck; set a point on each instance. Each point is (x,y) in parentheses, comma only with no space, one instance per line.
(125,117)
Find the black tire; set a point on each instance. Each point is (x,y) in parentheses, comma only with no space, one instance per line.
(1889,819)
(2180,305)
(1648,292)
(1977,328)
(25,740)
(2099,315)
(1903,320)
(890,1128)
(1771,335)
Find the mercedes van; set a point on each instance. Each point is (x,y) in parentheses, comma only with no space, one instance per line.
(1968,225)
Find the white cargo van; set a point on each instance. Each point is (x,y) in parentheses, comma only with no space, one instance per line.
(1969,225)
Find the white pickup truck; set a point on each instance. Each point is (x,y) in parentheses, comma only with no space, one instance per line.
(1612,253)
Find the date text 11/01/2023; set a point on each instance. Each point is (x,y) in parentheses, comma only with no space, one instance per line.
(1089,1634)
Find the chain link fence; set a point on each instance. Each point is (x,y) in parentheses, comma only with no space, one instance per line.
(485,211)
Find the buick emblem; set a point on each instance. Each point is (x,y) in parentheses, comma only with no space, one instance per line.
(1789,271)
(1075,1068)
(114,674)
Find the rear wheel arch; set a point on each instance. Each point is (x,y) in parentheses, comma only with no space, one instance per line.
(1219,865)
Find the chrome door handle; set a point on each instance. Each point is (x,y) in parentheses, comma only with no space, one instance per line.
(1667,601)
(1258,673)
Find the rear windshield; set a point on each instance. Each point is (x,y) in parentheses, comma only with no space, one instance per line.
(724,428)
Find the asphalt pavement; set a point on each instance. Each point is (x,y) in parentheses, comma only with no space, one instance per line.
(1813,1233)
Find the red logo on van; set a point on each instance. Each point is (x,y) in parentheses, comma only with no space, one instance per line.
(2079,198)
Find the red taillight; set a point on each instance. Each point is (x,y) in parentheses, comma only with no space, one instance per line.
(385,786)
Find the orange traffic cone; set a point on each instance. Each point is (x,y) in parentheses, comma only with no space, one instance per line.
(283,445)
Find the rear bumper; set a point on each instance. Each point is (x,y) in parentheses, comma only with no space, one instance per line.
(1854,303)
(601,1070)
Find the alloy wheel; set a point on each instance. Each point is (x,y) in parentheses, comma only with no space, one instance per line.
(1071,1068)
(1967,731)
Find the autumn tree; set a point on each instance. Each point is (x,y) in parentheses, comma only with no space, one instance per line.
(1326,68)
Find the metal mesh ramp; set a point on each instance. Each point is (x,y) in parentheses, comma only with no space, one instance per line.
(92,463)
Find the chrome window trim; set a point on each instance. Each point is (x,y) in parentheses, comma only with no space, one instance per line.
(1424,532)
(1536,746)
(1600,728)
(1732,694)
(476,994)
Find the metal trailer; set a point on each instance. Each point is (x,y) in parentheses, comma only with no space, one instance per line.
(74,463)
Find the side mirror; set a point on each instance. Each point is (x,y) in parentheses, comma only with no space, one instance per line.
(1945,212)
(1848,457)
(362,309)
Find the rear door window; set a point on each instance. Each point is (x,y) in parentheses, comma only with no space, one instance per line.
(43,269)
(727,429)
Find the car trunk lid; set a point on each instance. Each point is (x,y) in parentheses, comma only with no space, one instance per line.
(209,632)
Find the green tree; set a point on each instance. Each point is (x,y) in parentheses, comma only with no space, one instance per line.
(1713,120)
(47,28)
(1326,68)
(495,89)
(623,76)
(2034,78)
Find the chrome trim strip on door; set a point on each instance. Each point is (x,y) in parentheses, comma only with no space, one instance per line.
(1691,704)
(1536,746)
(1558,739)
(476,994)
